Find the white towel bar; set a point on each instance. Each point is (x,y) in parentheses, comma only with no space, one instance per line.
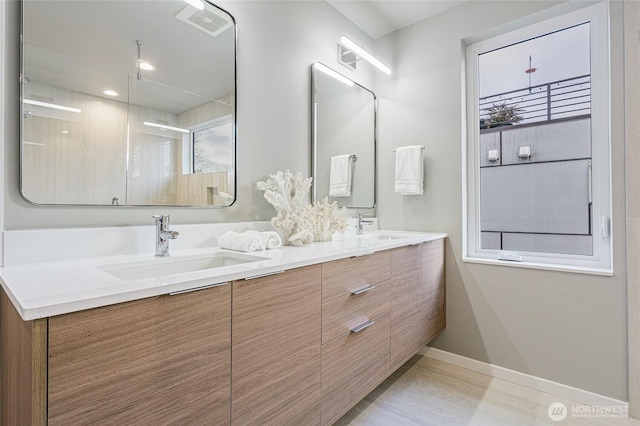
(421,146)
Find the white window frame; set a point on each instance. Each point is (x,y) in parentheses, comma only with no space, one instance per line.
(187,141)
(601,262)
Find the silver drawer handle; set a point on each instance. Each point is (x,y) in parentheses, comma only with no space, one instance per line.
(362,326)
(204,287)
(268,274)
(363,290)
(366,253)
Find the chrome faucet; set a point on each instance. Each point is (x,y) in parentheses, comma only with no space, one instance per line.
(360,222)
(163,235)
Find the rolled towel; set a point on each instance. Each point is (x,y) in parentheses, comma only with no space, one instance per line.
(270,239)
(240,242)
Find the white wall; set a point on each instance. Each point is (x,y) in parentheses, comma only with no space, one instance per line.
(564,327)
(277,43)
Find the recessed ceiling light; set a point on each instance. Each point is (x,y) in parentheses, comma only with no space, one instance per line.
(110,92)
(146,66)
(66,132)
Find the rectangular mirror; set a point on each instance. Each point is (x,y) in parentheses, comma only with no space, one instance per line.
(343,139)
(128,103)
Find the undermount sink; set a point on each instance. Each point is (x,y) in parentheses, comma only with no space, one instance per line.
(159,267)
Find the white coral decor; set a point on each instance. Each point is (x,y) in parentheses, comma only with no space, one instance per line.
(287,192)
(325,218)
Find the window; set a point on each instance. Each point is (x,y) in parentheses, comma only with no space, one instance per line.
(212,146)
(538,176)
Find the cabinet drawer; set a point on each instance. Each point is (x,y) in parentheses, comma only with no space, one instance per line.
(352,365)
(341,277)
(344,313)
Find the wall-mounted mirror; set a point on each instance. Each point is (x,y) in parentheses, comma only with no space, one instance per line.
(344,139)
(128,103)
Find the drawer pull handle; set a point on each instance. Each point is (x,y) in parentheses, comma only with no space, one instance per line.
(363,290)
(204,287)
(253,277)
(362,326)
(366,253)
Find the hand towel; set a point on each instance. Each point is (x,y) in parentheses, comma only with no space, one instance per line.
(239,242)
(270,239)
(340,176)
(409,170)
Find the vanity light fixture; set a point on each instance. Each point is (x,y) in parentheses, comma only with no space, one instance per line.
(331,73)
(359,51)
(165,127)
(52,106)
(110,92)
(198,4)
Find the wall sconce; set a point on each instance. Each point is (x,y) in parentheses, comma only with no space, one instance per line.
(349,53)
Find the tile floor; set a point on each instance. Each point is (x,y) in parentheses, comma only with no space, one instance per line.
(426,391)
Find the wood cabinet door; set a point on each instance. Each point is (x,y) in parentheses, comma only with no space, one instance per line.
(157,361)
(276,349)
(407,305)
(433,289)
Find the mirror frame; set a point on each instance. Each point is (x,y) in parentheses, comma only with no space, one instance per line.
(314,140)
(235,128)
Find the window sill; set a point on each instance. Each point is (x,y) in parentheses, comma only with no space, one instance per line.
(543,266)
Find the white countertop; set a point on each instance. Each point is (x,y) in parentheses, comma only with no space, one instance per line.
(55,288)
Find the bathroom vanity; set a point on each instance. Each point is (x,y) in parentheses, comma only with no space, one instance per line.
(296,338)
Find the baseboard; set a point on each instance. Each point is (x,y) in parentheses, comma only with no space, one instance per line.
(527,380)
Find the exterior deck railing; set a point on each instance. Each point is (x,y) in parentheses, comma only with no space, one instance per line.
(550,101)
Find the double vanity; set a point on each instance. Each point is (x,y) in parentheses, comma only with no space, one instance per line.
(292,336)
(289,337)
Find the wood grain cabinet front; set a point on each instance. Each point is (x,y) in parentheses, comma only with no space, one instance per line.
(344,276)
(406,303)
(352,366)
(276,349)
(433,308)
(156,361)
(300,347)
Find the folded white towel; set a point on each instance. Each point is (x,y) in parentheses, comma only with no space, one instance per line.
(409,170)
(340,176)
(239,242)
(269,239)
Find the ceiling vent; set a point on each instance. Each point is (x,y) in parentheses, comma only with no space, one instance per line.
(209,20)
